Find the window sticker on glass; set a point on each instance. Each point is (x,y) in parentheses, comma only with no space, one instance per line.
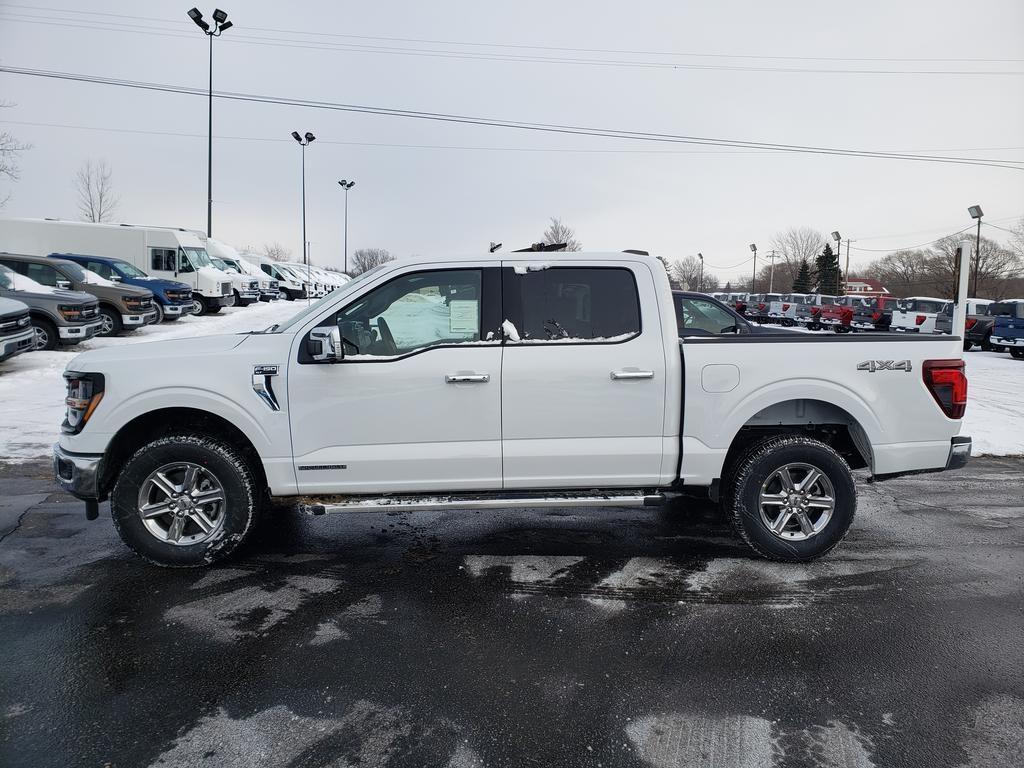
(465,316)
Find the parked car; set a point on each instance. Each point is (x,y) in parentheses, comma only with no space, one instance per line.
(808,313)
(759,304)
(166,252)
(171,299)
(430,386)
(1008,329)
(58,317)
(874,314)
(838,315)
(122,307)
(245,288)
(16,334)
(916,314)
(268,288)
(783,309)
(980,332)
(975,309)
(289,286)
(738,301)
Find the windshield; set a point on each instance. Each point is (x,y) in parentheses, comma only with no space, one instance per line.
(128,270)
(197,257)
(316,306)
(221,264)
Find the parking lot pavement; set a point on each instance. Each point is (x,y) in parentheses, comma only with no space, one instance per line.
(565,637)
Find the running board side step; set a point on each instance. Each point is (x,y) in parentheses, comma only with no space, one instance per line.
(417,502)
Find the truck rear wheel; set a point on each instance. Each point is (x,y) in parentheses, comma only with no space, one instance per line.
(791,498)
(184,501)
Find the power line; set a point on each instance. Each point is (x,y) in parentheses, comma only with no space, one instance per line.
(614,51)
(247,39)
(912,247)
(519,125)
(1004,229)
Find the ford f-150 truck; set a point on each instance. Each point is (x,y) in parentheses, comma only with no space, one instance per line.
(1008,329)
(542,380)
(58,317)
(916,314)
(874,314)
(976,308)
(16,335)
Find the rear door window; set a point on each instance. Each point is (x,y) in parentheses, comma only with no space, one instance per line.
(577,305)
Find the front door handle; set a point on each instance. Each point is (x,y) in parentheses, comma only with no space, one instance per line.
(625,375)
(467,378)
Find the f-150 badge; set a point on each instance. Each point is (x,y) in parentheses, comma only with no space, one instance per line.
(885,365)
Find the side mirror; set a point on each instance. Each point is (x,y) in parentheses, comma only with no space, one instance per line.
(115,278)
(324,344)
(64,285)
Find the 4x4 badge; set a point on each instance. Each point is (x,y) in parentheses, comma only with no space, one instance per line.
(885,365)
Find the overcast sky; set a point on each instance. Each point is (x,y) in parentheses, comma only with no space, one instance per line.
(439,188)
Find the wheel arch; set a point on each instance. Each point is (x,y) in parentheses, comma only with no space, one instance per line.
(166,421)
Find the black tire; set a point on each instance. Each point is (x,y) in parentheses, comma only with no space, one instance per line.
(1017,353)
(213,310)
(757,465)
(159,312)
(46,336)
(986,343)
(968,346)
(112,324)
(239,509)
(199,306)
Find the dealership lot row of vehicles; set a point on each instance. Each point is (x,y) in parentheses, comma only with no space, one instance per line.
(991,325)
(77,280)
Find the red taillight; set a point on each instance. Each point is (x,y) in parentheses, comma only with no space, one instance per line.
(876,316)
(920,319)
(815,310)
(947,382)
(785,307)
(971,322)
(761,307)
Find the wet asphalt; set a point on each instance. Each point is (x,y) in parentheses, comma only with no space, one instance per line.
(555,638)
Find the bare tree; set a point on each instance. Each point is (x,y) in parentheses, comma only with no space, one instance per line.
(365,259)
(995,266)
(96,199)
(10,147)
(275,251)
(557,232)
(791,248)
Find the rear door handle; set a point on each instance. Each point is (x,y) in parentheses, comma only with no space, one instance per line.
(467,378)
(617,375)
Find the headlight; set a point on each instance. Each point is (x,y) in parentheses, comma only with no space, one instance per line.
(70,311)
(131,300)
(85,390)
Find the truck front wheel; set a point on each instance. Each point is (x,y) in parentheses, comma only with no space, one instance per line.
(184,501)
(791,498)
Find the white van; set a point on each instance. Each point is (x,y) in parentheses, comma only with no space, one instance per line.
(245,287)
(289,285)
(164,252)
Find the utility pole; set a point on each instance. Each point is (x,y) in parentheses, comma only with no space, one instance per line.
(976,213)
(771,272)
(847,273)
(753,280)
(701,281)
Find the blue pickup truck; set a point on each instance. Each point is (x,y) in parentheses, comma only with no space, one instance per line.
(1008,329)
(171,298)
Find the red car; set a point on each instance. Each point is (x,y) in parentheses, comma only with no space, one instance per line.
(839,315)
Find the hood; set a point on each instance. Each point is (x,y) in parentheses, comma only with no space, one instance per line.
(214,274)
(157,283)
(165,353)
(51,294)
(12,307)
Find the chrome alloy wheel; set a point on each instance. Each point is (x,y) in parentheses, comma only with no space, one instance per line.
(796,502)
(106,325)
(182,504)
(42,338)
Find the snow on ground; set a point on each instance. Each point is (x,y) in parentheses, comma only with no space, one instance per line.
(32,386)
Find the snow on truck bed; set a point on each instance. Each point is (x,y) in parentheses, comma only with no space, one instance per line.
(32,386)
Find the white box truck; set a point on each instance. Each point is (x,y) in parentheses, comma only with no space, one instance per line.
(165,252)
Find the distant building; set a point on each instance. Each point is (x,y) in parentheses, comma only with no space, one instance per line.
(864,286)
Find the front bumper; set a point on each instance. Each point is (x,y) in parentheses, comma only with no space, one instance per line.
(72,334)
(139,319)
(270,295)
(1008,341)
(17,343)
(177,310)
(77,473)
(249,295)
(220,301)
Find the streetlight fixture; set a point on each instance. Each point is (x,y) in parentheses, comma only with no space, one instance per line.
(494,247)
(346,185)
(220,23)
(304,142)
(701,279)
(753,280)
(839,246)
(976,213)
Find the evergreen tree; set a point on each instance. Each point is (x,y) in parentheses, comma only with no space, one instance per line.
(826,271)
(802,284)
(728,287)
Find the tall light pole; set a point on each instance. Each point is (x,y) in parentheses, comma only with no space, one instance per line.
(304,141)
(753,280)
(976,213)
(701,257)
(346,185)
(839,245)
(220,23)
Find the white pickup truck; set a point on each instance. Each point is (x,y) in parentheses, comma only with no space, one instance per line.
(542,380)
(917,314)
